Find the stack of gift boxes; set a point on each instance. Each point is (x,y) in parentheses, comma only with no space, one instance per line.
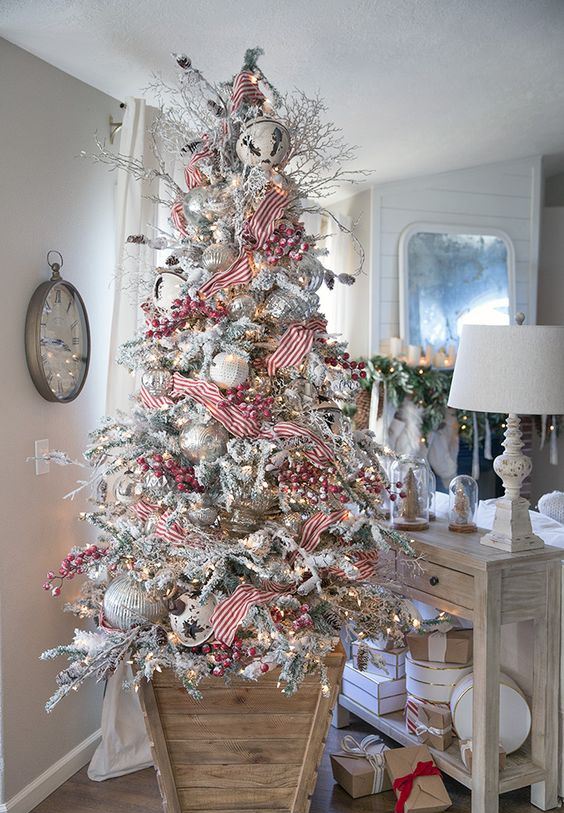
(419,680)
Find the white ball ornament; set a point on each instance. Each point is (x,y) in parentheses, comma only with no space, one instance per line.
(203,442)
(166,288)
(191,621)
(229,370)
(263,142)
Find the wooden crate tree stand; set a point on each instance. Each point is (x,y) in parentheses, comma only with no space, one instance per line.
(242,747)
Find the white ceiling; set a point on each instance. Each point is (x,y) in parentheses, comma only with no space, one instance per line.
(420,85)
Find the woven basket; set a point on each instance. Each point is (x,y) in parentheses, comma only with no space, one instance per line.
(242,747)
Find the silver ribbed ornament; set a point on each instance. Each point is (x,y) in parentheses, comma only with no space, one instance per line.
(229,370)
(312,273)
(244,305)
(218,257)
(125,490)
(126,603)
(281,305)
(202,515)
(157,382)
(203,442)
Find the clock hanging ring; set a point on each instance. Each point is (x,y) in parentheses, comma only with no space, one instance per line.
(57,337)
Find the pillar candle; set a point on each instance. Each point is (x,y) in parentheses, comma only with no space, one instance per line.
(413,355)
(396,345)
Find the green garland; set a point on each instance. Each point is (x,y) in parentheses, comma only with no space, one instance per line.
(428,387)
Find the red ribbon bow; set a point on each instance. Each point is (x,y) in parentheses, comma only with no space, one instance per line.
(405,783)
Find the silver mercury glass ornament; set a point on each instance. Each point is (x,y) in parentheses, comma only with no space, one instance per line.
(157,382)
(202,515)
(281,305)
(195,206)
(218,257)
(311,273)
(126,603)
(125,490)
(203,442)
(243,305)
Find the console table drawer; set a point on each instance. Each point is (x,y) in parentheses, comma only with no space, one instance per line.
(439,581)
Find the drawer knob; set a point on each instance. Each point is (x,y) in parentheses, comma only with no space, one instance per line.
(433,581)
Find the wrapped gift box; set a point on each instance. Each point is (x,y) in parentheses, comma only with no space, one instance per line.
(375,693)
(428,793)
(433,682)
(360,768)
(430,722)
(392,660)
(466,754)
(452,646)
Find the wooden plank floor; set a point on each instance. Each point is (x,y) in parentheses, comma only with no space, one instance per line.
(138,792)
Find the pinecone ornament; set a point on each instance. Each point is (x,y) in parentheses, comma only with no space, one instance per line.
(332,617)
(362,414)
(362,658)
(161,638)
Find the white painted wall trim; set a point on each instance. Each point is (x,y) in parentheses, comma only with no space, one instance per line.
(47,782)
(537,196)
(374,271)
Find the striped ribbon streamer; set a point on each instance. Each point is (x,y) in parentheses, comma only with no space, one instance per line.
(245,89)
(154,401)
(296,342)
(209,395)
(320,454)
(256,230)
(144,509)
(192,174)
(312,529)
(365,563)
(230,612)
(174,532)
(178,218)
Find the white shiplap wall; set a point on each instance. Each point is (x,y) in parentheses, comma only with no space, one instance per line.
(503,196)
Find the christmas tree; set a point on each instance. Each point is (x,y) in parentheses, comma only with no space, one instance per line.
(239,514)
(409,508)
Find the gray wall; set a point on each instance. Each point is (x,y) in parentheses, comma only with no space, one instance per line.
(50,199)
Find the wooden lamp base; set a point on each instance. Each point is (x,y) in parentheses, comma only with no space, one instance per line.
(242,747)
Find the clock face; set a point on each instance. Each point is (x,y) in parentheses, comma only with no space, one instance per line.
(57,330)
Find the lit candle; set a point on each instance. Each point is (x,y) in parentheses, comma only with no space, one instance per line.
(429,353)
(396,345)
(440,358)
(413,355)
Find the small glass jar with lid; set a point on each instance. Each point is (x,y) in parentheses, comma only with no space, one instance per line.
(462,504)
(409,479)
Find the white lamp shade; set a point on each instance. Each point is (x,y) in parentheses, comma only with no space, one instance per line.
(512,369)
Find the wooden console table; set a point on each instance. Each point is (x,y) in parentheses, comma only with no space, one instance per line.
(491,588)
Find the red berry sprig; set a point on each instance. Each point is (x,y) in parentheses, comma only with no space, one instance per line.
(285,241)
(370,480)
(254,404)
(183,311)
(73,565)
(183,477)
(300,478)
(357,368)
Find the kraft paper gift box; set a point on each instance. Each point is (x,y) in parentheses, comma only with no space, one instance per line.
(360,768)
(466,754)
(428,793)
(439,646)
(431,724)
(389,662)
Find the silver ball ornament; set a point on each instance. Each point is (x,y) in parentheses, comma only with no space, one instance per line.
(202,515)
(126,603)
(203,442)
(166,288)
(312,273)
(218,257)
(244,305)
(281,305)
(125,490)
(191,621)
(195,206)
(157,382)
(263,142)
(229,370)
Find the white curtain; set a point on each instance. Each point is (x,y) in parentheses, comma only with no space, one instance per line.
(124,747)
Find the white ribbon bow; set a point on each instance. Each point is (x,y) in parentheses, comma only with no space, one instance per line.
(360,750)
(422,728)
(438,642)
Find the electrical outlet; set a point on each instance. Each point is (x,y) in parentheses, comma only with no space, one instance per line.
(42,448)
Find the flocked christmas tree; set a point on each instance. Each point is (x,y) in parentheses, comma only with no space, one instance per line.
(238,512)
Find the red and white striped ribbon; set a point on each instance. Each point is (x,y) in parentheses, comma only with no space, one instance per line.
(245,89)
(154,401)
(144,509)
(178,218)
(172,532)
(296,342)
(238,273)
(314,526)
(364,562)
(230,612)
(192,174)
(320,454)
(256,230)
(209,395)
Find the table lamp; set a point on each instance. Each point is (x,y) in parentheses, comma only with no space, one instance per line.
(516,370)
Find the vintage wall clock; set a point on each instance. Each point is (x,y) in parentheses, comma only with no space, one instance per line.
(57,337)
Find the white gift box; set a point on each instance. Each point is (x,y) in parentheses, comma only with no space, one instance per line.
(514,712)
(431,681)
(393,660)
(376,693)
